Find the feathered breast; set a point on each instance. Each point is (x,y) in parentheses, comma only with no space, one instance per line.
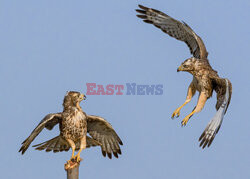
(74,124)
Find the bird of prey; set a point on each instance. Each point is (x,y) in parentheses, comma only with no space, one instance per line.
(74,124)
(205,79)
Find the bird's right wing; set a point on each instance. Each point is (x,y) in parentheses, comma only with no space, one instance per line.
(174,28)
(223,87)
(48,121)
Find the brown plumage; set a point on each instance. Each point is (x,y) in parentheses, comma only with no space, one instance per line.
(205,79)
(74,125)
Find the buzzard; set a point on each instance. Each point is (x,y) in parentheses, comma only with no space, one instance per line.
(74,124)
(205,79)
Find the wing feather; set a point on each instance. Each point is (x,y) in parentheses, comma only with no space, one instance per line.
(174,28)
(48,121)
(223,87)
(100,130)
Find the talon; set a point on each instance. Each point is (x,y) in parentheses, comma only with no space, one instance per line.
(77,158)
(70,164)
(184,121)
(176,113)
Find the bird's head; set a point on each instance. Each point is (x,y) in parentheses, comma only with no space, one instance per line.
(188,65)
(73,98)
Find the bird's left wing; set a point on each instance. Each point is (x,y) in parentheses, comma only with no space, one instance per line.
(103,132)
(174,28)
(223,87)
(48,121)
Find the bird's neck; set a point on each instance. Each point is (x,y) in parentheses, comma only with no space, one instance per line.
(73,106)
(78,106)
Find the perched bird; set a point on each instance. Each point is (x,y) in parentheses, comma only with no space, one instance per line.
(205,79)
(74,124)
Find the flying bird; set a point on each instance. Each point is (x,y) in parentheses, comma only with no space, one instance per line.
(74,124)
(205,78)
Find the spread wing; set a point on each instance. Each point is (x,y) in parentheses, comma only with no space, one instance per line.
(103,132)
(179,30)
(223,88)
(48,121)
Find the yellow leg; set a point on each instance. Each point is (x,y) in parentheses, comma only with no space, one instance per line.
(177,111)
(201,103)
(82,146)
(190,94)
(73,147)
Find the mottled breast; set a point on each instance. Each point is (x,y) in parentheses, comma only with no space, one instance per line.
(203,84)
(74,124)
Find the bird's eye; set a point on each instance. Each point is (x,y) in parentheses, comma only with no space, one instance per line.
(185,66)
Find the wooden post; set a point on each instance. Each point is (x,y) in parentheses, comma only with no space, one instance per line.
(73,173)
(72,169)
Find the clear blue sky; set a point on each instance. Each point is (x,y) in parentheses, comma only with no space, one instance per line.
(50,47)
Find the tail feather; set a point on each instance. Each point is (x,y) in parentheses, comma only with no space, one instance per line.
(58,144)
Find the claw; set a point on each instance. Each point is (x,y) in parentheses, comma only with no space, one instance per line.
(176,113)
(184,121)
(77,158)
(73,162)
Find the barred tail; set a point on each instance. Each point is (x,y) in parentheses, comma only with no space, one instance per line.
(58,144)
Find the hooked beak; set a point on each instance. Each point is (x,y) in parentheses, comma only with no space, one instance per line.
(179,69)
(82,97)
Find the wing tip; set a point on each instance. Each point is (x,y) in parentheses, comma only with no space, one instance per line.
(141,16)
(109,155)
(23,149)
(202,135)
(119,151)
(140,11)
(104,153)
(205,141)
(115,154)
(143,7)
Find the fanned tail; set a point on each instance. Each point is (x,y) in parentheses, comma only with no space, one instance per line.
(58,144)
